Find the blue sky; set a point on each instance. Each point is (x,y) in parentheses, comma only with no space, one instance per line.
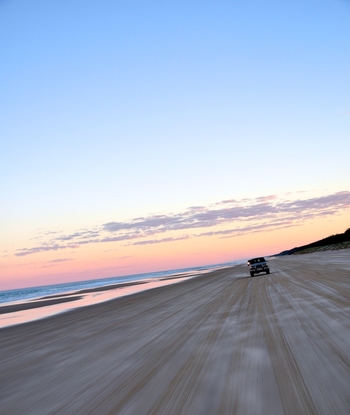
(116,110)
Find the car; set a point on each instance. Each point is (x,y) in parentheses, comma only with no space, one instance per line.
(257,265)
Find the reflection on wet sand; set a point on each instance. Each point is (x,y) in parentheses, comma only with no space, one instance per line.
(223,343)
(23,312)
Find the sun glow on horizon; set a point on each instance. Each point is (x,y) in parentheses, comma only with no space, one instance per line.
(265,227)
(138,137)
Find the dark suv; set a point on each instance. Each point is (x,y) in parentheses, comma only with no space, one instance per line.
(257,265)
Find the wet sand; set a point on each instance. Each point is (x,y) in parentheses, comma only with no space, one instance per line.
(221,343)
(20,312)
(13,308)
(61,298)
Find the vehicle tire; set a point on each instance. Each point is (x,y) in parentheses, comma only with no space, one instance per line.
(252,274)
(268,272)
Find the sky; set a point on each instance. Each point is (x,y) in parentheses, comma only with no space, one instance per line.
(139,136)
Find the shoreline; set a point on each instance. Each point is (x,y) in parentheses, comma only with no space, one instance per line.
(25,311)
(220,343)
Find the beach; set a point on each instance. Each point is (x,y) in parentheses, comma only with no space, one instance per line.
(219,343)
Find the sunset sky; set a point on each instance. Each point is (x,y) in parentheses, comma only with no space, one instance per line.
(140,136)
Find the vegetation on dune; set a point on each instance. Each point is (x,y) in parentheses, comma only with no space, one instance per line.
(333,242)
(333,247)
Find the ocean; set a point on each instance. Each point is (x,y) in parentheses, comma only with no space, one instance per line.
(22,294)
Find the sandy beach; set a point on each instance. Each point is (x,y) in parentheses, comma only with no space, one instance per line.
(220,343)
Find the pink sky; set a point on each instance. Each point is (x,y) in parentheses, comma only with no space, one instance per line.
(221,232)
(143,136)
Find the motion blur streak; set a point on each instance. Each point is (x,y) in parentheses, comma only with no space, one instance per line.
(222,343)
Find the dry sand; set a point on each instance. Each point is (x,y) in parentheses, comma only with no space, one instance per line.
(222,343)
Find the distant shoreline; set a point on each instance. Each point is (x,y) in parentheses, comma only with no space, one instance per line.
(43,307)
(330,243)
(281,338)
(333,247)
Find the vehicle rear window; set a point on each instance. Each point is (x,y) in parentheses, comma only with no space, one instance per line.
(257,260)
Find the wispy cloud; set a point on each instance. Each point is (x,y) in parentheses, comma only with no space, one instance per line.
(158,241)
(43,248)
(61,260)
(248,215)
(250,229)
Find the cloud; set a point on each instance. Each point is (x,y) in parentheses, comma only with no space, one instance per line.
(248,215)
(266,208)
(250,228)
(61,260)
(266,198)
(119,238)
(75,235)
(227,201)
(157,241)
(45,248)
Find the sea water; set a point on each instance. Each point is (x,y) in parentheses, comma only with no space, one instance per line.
(30,293)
